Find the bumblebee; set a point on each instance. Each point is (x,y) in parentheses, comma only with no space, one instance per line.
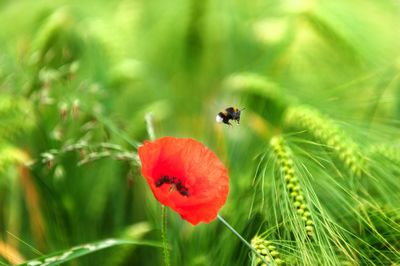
(230,113)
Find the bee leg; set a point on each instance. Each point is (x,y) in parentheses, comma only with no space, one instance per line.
(226,121)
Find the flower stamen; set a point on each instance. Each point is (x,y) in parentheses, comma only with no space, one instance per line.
(175,184)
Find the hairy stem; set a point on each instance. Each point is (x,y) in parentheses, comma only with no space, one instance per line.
(152,136)
(150,126)
(164,235)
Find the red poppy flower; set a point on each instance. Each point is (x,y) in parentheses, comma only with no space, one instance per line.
(186,176)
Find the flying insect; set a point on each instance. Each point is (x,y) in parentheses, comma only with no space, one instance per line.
(230,113)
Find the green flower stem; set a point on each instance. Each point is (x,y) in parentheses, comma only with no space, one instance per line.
(150,130)
(164,235)
(242,239)
(150,126)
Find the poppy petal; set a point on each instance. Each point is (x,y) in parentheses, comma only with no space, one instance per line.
(186,176)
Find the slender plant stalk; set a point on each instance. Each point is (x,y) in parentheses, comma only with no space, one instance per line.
(150,126)
(164,235)
(152,136)
(242,239)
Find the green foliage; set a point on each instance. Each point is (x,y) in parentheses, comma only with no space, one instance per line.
(79,251)
(15,117)
(319,84)
(15,120)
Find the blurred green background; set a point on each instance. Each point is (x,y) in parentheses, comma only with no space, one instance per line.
(77,79)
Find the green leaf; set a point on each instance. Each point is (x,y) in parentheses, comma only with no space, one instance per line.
(66,255)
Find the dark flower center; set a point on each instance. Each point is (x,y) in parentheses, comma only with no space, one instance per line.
(175,183)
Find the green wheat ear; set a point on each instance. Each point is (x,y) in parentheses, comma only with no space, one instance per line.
(285,162)
(388,151)
(266,249)
(324,129)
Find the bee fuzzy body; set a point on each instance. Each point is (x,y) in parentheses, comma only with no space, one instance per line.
(230,113)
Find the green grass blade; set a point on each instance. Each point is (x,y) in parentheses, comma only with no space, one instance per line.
(59,257)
